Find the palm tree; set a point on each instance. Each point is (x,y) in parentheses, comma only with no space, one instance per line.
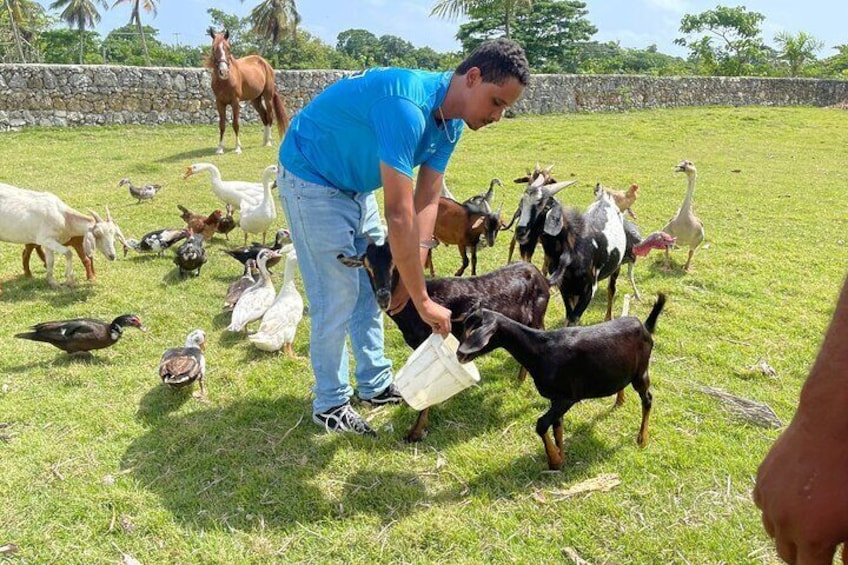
(797,50)
(15,16)
(135,17)
(453,8)
(270,18)
(80,14)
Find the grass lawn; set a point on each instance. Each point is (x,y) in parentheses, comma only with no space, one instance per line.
(98,461)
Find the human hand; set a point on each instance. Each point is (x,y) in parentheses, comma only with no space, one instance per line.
(436,316)
(802,491)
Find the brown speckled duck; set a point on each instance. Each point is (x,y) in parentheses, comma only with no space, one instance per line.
(82,335)
(181,366)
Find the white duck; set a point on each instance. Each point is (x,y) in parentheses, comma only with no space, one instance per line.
(257,217)
(228,191)
(255,300)
(280,321)
(685,226)
(181,366)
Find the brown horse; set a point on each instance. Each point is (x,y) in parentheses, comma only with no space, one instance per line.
(248,78)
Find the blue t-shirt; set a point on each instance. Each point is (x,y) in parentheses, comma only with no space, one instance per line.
(382,114)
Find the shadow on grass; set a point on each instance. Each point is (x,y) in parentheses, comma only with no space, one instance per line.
(161,401)
(188,155)
(253,464)
(247,465)
(60,359)
(27,289)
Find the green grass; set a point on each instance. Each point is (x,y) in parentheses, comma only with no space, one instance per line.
(97,459)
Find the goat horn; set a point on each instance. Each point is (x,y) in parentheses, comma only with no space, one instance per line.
(97,218)
(537,181)
(109,215)
(552,189)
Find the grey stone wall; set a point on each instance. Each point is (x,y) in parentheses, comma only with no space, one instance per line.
(72,95)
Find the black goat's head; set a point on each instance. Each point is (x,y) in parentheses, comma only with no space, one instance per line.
(535,200)
(378,263)
(479,327)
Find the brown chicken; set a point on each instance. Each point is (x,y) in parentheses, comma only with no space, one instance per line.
(198,223)
(624,199)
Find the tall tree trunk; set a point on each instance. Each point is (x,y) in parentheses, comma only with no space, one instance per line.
(143,42)
(14,26)
(81,32)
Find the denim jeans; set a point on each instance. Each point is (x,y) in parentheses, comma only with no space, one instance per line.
(325,222)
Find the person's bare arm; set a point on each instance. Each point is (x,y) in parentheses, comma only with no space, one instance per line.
(404,239)
(802,484)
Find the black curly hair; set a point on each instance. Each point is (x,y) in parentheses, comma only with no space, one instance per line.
(498,60)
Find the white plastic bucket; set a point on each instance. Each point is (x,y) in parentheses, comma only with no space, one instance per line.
(432,374)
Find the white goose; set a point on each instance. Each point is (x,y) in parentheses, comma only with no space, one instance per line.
(280,321)
(257,216)
(228,191)
(685,226)
(255,300)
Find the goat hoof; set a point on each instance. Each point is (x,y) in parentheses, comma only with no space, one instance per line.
(414,436)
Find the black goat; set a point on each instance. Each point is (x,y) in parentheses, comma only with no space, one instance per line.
(518,291)
(532,210)
(571,364)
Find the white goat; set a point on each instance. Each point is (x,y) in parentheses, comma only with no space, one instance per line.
(42,218)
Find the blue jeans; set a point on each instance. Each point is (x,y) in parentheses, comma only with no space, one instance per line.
(324,223)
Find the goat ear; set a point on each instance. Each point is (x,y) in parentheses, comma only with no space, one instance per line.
(553,221)
(352,261)
(477,223)
(226,34)
(521,180)
(88,243)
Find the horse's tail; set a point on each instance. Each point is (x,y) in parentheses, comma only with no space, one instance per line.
(282,115)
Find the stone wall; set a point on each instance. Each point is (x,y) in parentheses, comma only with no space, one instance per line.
(72,95)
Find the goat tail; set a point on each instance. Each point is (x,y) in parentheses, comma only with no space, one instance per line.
(651,322)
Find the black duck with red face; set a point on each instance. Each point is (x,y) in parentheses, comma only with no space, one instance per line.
(82,334)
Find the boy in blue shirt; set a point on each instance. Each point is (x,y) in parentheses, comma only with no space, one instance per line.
(368,130)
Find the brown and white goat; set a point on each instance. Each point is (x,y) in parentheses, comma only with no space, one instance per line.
(74,243)
(518,291)
(42,218)
(571,364)
(464,226)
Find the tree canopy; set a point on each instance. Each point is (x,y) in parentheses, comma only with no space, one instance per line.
(556,34)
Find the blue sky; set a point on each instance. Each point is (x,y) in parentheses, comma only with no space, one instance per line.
(633,23)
